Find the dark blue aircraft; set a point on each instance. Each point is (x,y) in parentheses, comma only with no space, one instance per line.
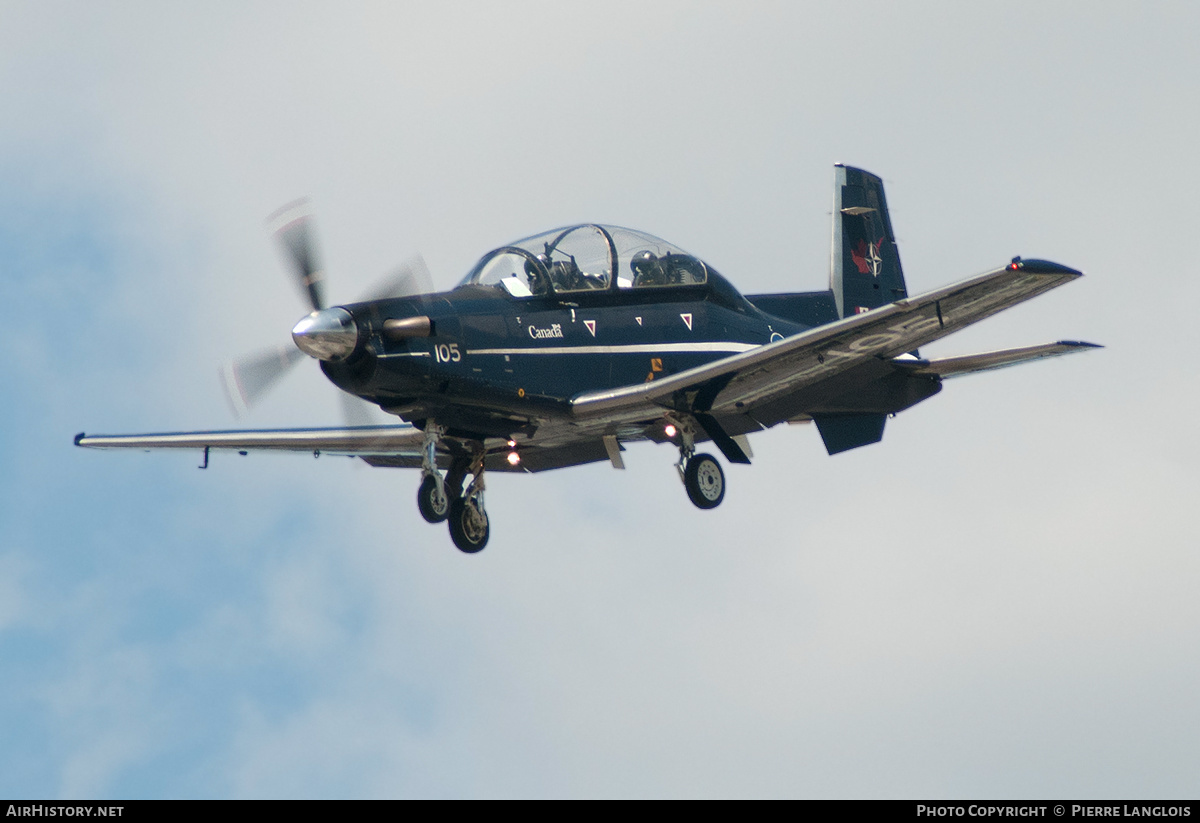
(557,349)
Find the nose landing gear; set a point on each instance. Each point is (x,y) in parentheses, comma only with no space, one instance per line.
(433,498)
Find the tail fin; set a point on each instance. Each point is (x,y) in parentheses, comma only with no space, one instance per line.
(865,270)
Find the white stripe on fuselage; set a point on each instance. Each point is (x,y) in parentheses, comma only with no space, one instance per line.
(637,348)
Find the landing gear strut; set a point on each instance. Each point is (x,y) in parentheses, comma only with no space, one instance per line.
(442,498)
(701,473)
(433,498)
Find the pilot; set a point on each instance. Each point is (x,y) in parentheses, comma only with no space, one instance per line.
(537,281)
(647,270)
(565,275)
(686,270)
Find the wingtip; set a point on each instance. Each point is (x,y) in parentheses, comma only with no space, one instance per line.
(1034,266)
(78,438)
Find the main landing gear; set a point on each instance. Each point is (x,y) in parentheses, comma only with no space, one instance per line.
(701,473)
(704,481)
(469,526)
(440,499)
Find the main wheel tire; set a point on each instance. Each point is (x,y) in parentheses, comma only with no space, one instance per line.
(434,507)
(469,526)
(705,482)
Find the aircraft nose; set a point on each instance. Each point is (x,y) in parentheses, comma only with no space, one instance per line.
(328,334)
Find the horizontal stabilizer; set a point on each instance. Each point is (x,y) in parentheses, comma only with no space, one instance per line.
(986,361)
(842,432)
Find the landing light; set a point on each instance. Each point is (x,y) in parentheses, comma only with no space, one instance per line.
(670,430)
(513,458)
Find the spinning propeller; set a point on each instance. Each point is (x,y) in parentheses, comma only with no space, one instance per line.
(326,332)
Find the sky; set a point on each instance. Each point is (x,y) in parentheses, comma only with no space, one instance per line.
(997,600)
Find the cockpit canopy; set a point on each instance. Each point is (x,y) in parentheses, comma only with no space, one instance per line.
(586,258)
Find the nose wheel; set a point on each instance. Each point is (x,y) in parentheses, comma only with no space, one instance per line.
(434,495)
(433,501)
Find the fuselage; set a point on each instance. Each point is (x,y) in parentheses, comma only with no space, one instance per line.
(489,349)
(535,323)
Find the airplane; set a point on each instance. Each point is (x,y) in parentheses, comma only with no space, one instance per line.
(559,349)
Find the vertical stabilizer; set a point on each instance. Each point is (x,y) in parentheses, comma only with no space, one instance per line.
(865,268)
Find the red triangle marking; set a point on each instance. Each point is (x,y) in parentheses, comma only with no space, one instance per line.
(687,319)
(591,326)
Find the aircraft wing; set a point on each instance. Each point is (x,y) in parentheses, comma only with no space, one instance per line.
(768,383)
(393,441)
(397,446)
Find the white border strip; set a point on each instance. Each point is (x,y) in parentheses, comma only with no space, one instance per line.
(639,348)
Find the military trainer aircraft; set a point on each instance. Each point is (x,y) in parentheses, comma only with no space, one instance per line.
(557,349)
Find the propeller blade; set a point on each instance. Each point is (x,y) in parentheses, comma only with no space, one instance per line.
(356,411)
(291,226)
(247,379)
(410,278)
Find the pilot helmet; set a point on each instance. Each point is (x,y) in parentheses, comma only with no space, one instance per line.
(535,272)
(535,266)
(647,268)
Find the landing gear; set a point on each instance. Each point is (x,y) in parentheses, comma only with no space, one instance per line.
(434,496)
(705,482)
(701,473)
(443,498)
(469,526)
(433,500)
